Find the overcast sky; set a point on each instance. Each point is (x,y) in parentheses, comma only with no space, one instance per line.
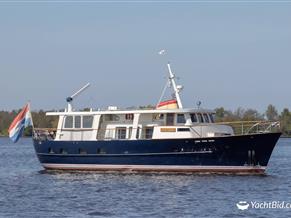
(228,54)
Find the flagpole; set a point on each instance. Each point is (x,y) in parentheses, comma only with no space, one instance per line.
(33,132)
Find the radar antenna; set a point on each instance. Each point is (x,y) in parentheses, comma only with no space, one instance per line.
(71,98)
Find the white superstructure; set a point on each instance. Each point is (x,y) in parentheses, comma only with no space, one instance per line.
(115,124)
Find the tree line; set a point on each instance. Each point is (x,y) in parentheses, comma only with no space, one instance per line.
(40,120)
(222,115)
(271,114)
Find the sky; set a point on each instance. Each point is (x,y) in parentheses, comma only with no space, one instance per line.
(226,53)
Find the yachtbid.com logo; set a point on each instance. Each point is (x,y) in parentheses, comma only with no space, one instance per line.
(244,205)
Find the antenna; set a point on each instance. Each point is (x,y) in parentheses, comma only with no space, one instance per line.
(71,98)
(198,103)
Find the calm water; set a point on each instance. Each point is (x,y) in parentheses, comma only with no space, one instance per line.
(26,190)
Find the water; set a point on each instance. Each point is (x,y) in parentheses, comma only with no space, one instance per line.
(26,190)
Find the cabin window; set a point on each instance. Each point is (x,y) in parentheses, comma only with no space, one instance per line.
(183,129)
(111,117)
(149,133)
(200,118)
(194,118)
(87,121)
(129,116)
(51,151)
(181,118)
(69,122)
(158,117)
(77,121)
(206,119)
(170,120)
(121,133)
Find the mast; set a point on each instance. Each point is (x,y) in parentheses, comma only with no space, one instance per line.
(177,88)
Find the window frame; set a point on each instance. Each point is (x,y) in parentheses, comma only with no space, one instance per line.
(77,116)
(65,122)
(117,134)
(194,115)
(206,118)
(199,115)
(91,123)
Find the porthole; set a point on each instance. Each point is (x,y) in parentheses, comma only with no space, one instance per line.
(82,151)
(101,151)
(63,151)
(51,151)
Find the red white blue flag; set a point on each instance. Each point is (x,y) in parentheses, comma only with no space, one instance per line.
(22,120)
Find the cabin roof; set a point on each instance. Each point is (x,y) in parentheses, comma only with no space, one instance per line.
(149,111)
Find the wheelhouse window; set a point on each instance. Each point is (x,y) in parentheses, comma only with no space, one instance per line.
(181,118)
(170,119)
(194,118)
(68,122)
(205,117)
(200,118)
(121,133)
(87,121)
(78,122)
(211,118)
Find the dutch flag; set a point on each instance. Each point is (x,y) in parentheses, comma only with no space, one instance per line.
(22,120)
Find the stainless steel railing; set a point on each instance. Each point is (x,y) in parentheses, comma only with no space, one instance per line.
(251,127)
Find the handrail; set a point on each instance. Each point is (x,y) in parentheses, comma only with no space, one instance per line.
(246,121)
(256,126)
(274,124)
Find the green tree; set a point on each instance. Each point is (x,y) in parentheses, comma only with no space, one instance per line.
(251,114)
(219,114)
(272,113)
(285,120)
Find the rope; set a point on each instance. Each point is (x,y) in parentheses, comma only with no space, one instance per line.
(163,93)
